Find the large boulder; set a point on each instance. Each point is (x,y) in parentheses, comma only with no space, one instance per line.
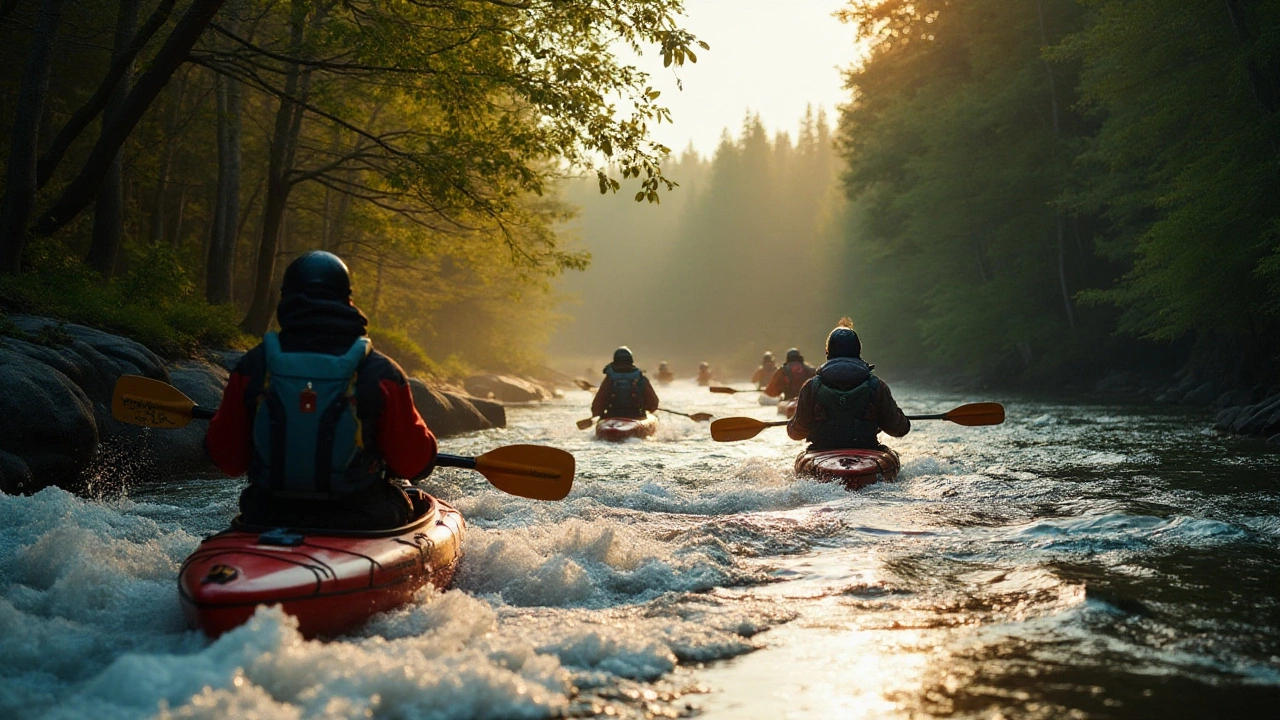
(448,413)
(507,389)
(48,431)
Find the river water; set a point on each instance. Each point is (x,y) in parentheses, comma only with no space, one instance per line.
(1080,560)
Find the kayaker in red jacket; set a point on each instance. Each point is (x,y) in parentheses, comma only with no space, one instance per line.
(763,374)
(789,378)
(317,418)
(844,405)
(625,391)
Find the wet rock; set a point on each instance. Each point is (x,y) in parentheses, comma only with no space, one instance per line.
(1171,395)
(1274,439)
(1119,383)
(1226,417)
(48,428)
(507,389)
(1202,394)
(448,413)
(1260,419)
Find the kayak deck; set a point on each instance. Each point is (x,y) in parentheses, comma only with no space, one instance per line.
(331,581)
(854,468)
(617,429)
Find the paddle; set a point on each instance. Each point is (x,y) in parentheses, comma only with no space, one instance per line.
(973,414)
(729,391)
(584,424)
(696,417)
(536,472)
(584,385)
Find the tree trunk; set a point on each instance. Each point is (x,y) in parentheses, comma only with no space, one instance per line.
(108,216)
(1057,133)
(226,218)
(82,189)
(20,179)
(160,196)
(284,146)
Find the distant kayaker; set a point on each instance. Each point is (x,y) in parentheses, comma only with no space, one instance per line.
(625,391)
(665,375)
(317,417)
(704,374)
(764,373)
(788,379)
(845,405)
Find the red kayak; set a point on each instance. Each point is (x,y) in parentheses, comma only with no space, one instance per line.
(855,468)
(788,408)
(331,580)
(617,429)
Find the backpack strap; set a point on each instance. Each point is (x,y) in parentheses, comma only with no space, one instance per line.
(353,358)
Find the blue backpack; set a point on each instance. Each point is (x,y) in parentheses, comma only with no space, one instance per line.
(306,434)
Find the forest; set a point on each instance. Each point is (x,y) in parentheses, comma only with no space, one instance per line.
(1056,188)
(1036,193)
(165,160)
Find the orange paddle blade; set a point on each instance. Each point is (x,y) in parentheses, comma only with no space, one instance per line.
(536,472)
(739,428)
(722,390)
(150,403)
(584,424)
(701,417)
(973,414)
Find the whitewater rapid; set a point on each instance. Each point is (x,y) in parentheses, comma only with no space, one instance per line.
(1086,560)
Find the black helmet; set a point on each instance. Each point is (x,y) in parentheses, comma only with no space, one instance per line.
(843,342)
(318,274)
(622,356)
(768,355)
(794,355)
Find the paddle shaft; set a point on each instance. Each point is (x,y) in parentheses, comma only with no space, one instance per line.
(456,461)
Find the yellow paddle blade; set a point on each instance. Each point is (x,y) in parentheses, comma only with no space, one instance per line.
(536,472)
(584,385)
(151,403)
(738,428)
(983,413)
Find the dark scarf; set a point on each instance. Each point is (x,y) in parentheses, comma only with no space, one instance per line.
(319,325)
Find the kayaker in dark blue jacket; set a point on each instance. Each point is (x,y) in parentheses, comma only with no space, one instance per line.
(844,405)
(625,391)
(318,418)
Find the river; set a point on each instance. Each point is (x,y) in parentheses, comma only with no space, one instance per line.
(1081,560)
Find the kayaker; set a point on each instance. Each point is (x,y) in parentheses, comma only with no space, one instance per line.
(844,405)
(764,373)
(704,373)
(625,391)
(317,394)
(788,379)
(664,373)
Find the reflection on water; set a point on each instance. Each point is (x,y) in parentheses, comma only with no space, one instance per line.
(1078,561)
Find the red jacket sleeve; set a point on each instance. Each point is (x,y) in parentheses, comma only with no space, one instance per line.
(776,383)
(403,438)
(600,402)
(229,438)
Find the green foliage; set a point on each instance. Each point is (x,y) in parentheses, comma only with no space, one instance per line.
(154,304)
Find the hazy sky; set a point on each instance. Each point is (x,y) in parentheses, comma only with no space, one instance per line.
(773,57)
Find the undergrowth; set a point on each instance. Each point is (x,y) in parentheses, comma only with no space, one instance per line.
(156,303)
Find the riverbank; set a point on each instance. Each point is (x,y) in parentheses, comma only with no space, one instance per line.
(55,414)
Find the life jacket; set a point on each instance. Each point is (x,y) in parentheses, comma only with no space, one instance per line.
(842,418)
(795,372)
(307,438)
(628,396)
